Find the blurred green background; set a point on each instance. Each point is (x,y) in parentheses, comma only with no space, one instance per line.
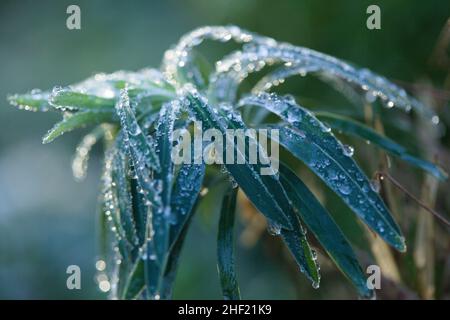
(48,221)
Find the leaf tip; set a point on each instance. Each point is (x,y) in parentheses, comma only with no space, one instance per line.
(46,139)
(401,244)
(49,137)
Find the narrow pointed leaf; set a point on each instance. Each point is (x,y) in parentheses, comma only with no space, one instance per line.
(140,211)
(76,121)
(147,99)
(225,247)
(163,218)
(351,127)
(135,282)
(196,70)
(152,270)
(300,249)
(146,197)
(147,253)
(66,99)
(171,267)
(322,225)
(185,193)
(123,190)
(36,100)
(312,142)
(235,67)
(353,188)
(143,157)
(134,137)
(264,191)
(81,157)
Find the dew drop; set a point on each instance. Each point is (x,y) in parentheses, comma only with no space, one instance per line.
(435,120)
(366,188)
(104,285)
(370,96)
(348,150)
(273,228)
(375,185)
(324,127)
(380,226)
(100,265)
(345,189)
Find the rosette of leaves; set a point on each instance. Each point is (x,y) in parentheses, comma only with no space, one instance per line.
(148,202)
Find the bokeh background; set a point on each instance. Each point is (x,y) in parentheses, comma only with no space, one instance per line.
(48,221)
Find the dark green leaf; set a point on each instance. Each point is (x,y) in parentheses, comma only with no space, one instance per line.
(312,142)
(347,181)
(320,222)
(351,127)
(173,261)
(36,100)
(135,282)
(76,121)
(123,191)
(265,191)
(185,193)
(300,249)
(133,136)
(152,270)
(65,99)
(225,247)
(196,70)
(162,219)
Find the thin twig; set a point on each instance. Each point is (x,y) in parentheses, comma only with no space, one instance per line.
(380,175)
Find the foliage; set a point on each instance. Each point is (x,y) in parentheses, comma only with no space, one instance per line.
(148,202)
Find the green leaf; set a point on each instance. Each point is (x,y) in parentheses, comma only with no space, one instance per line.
(102,229)
(322,225)
(66,99)
(347,181)
(76,121)
(140,211)
(225,247)
(111,201)
(144,159)
(36,100)
(311,141)
(133,136)
(300,249)
(185,193)
(142,156)
(111,209)
(163,141)
(83,150)
(173,261)
(196,70)
(152,270)
(163,144)
(351,127)
(123,193)
(135,282)
(146,99)
(265,191)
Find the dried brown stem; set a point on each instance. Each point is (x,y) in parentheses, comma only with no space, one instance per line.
(380,175)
